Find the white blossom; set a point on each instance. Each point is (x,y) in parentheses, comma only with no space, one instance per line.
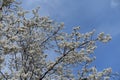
(107,78)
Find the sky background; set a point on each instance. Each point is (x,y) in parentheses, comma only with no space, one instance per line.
(102,15)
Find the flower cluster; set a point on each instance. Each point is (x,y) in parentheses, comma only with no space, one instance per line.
(104,75)
(104,38)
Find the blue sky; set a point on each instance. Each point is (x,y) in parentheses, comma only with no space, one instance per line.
(102,15)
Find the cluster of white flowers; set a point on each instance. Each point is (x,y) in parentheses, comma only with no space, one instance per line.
(104,75)
(22,13)
(104,38)
(91,47)
(1,59)
(69,45)
(59,37)
(1,25)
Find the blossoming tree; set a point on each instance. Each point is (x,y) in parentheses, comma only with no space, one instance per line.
(25,45)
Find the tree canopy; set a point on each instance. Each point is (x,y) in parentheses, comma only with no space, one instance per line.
(25,45)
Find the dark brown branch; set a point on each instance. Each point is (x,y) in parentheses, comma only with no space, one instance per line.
(3,75)
(50,36)
(57,62)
